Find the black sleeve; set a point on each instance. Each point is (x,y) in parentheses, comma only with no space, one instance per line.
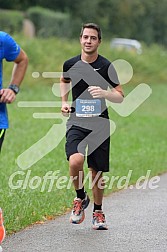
(112,76)
(66,67)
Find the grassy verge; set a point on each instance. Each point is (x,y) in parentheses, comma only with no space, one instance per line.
(138,143)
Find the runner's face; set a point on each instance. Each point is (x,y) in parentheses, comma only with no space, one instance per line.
(89,40)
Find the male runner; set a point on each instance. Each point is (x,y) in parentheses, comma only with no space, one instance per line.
(10,51)
(90,76)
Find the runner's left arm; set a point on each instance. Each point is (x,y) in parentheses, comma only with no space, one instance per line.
(114,95)
(19,69)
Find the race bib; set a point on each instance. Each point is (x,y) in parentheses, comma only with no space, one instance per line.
(88,108)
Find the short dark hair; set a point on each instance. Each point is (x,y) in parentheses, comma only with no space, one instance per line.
(92,26)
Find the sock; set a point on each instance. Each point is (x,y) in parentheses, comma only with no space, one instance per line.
(80,193)
(97,207)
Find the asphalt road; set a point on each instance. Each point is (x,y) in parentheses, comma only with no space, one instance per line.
(137,220)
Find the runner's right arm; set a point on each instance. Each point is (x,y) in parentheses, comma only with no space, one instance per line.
(64,91)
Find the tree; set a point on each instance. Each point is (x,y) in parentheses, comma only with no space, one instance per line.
(140,19)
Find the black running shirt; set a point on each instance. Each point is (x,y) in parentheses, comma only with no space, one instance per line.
(82,75)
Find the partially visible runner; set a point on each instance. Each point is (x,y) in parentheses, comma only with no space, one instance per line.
(10,51)
(88,125)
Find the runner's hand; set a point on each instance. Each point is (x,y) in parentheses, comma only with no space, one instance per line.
(96,92)
(65,109)
(7,95)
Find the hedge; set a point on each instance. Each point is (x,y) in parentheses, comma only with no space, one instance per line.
(11,21)
(49,23)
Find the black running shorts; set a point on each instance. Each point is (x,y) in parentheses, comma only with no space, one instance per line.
(93,142)
(2,135)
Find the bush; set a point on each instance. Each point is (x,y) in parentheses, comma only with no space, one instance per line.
(49,23)
(11,21)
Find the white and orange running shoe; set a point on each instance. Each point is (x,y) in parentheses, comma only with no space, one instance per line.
(77,214)
(2,228)
(99,222)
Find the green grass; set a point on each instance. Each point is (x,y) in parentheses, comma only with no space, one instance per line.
(138,144)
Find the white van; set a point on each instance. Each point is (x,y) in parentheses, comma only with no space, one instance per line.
(126,44)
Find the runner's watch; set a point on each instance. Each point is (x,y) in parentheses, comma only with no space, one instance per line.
(14,87)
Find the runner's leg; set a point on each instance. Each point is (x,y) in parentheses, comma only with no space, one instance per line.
(2,135)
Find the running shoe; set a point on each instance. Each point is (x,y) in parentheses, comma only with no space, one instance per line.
(99,222)
(77,214)
(2,229)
